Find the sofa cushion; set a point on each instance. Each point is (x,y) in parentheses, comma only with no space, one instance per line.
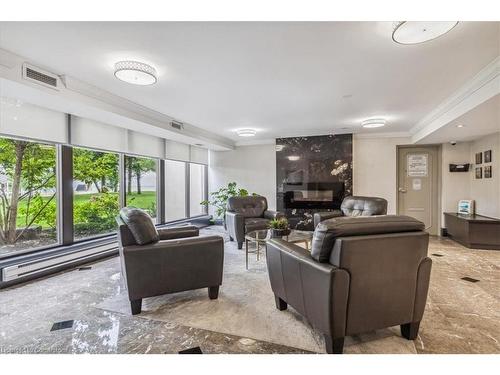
(140,224)
(255,223)
(329,230)
(250,206)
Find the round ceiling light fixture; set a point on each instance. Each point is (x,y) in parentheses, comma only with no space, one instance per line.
(136,73)
(415,32)
(246,132)
(373,123)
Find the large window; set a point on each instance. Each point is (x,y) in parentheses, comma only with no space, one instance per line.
(197,190)
(140,182)
(175,190)
(44,179)
(95,188)
(27,195)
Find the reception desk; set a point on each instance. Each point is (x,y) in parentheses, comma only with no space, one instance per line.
(473,231)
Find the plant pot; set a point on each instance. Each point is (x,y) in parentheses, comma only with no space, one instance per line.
(278,233)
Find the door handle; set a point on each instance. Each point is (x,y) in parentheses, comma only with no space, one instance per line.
(401,190)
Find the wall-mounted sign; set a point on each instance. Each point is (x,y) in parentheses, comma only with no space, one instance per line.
(417,184)
(417,165)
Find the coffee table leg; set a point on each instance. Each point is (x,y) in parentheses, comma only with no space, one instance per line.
(246,254)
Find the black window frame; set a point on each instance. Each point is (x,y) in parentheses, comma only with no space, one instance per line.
(65,196)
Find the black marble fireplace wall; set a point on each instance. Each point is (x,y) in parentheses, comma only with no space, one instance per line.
(313,174)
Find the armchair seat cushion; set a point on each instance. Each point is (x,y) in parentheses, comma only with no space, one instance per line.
(140,225)
(255,223)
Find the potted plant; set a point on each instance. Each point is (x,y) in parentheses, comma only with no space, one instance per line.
(279,227)
(219,198)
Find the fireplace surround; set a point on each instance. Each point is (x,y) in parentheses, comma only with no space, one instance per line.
(313,174)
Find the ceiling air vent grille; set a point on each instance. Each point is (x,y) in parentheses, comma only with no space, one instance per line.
(177,125)
(40,76)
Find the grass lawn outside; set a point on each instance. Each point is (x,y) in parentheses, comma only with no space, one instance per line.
(146,200)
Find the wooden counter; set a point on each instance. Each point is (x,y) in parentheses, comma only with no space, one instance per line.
(473,231)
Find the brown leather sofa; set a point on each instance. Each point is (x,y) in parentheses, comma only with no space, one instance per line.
(246,214)
(166,261)
(354,206)
(362,274)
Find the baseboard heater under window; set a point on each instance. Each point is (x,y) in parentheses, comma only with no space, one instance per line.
(46,264)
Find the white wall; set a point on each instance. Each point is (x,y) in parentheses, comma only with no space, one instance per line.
(374,168)
(252,167)
(454,185)
(374,172)
(486,191)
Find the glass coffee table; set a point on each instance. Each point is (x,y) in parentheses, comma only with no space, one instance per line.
(260,238)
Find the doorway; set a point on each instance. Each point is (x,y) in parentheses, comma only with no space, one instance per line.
(418,176)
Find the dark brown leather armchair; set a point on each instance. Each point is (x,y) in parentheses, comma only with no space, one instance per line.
(245,214)
(362,274)
(355,206)
(176,261)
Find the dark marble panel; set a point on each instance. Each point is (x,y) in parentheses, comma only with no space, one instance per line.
(470,279)
(62,325)
(320,164)
(195,350)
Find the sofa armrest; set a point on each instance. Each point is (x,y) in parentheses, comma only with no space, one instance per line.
(173,265)
(235,224)
(178,232)
(173,245)
(296,253)
(423,278)
(322,216)
(319,291)
(270,214)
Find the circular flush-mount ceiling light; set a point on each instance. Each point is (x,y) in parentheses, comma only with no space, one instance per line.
(414,32)
(373,123)
(136,73)
(246,132)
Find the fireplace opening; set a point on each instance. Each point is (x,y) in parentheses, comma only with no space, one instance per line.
(327,195)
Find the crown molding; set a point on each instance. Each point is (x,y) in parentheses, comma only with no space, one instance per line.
(272,141)
(382,135)
(256,142)
(460,102)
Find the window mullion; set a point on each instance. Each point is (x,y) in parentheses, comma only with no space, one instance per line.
(64,173)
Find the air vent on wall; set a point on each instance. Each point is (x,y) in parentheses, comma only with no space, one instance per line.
(177,125)
(40,76)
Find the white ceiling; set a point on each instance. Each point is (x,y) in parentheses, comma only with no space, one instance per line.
(281,78)
(478,122)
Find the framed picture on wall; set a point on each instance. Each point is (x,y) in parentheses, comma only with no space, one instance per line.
(487,171)
(479,172)
(487,156)
(479,158)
